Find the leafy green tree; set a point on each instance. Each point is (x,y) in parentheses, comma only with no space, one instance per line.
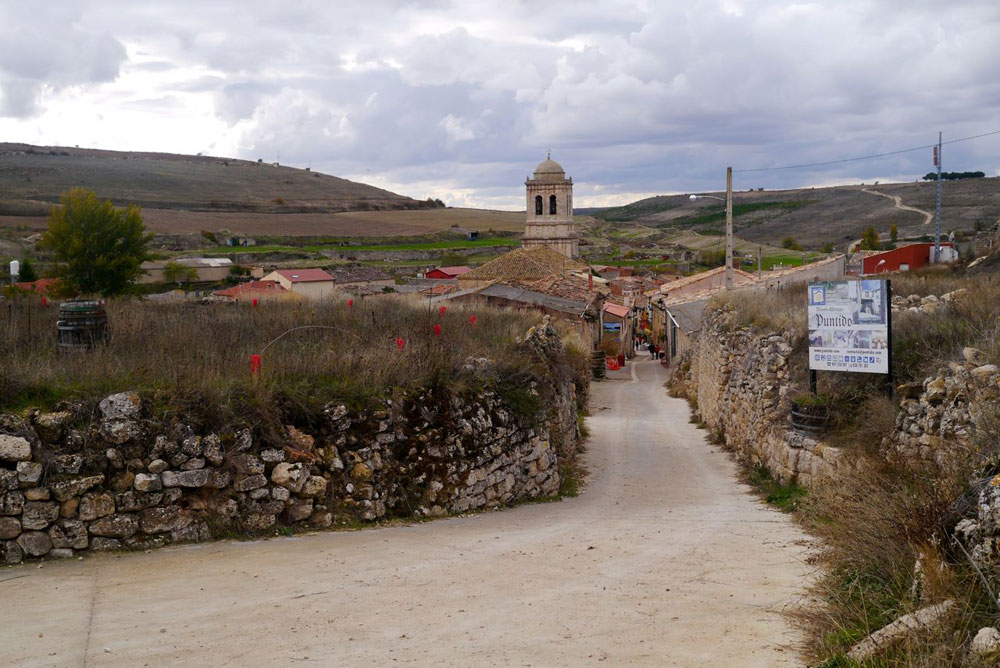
(869,239)
(27,273)
(894,233)
(98,248)
(175,272)
(790,243)
(827,247)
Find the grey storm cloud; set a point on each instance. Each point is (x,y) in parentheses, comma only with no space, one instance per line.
(44,47)
(631,95)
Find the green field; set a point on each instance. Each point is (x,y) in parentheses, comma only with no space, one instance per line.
(316,248)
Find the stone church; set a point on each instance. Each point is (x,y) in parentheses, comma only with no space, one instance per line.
(550,210)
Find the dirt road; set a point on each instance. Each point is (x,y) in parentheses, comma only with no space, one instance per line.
(664,560)
(897,203)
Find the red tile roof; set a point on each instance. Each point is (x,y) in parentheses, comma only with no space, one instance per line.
(251,289)
(304,275)
(455,271)
(615,309)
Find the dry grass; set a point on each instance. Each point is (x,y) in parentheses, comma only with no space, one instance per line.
(779,310)
(197,357)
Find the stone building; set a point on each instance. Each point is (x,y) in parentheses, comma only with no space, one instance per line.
(550,210)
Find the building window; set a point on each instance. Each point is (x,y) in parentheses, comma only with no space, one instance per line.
(552,205)
(538,205)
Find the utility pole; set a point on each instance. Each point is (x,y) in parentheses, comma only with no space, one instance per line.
(937,211)
(729,227)
(760,251)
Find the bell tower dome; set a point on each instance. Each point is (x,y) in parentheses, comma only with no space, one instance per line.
(550,210)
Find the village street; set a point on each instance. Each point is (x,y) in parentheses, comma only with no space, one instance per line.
(664,560)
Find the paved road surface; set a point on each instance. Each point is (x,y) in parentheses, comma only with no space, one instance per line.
(663,561)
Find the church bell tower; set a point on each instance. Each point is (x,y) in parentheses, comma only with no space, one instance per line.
(550,210)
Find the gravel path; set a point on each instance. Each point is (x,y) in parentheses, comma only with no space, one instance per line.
(664,560)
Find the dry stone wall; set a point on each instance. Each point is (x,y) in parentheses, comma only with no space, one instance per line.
(739,380)
(121,476)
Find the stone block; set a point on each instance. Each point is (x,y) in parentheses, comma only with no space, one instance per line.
(147,482)
(10,527)
(38,515)
(37,494)
(102,544)
(14,448)
(69,534)
(247,464)
(250,482)
(164,520)
(29,472)
(315,486)
(196,478)
(65,489)
(34,543)
(94,505)
(121,525)
(11,553)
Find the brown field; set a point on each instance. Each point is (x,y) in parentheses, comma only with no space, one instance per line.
(347,224)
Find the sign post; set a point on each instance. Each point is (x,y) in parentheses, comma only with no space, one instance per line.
(850,328)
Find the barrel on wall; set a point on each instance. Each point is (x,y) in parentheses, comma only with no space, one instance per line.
(82,324)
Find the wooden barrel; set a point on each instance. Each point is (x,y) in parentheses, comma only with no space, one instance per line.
(82,324)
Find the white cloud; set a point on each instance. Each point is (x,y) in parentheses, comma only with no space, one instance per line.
(460,99)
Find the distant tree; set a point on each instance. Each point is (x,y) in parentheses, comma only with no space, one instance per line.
(97,247)
(27,273)
(894,233)
(953,176)
(869,239)
(827,247)
(175,272)
(790,243)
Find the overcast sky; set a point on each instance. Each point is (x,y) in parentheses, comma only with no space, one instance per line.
(460,99)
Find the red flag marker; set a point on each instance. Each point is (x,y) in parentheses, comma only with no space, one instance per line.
(350,303)
(400,344)
(255,367)
(472,320)
(45,302)
(437,330)
(255,305)
(443,309)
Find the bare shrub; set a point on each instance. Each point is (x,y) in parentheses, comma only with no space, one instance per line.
(198,356)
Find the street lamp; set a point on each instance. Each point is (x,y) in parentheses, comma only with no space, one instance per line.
(729,224)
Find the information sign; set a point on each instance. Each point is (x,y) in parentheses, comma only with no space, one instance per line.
(849,326)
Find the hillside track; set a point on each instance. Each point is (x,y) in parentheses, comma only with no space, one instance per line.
(663,560)
(897,203)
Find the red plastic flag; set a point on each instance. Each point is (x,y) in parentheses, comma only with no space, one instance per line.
(400,344)
(45,302)
(472,320)
(350,303)
(442,310)
(255,302)
(255,367)
(437,331)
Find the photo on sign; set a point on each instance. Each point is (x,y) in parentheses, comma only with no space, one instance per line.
(848,326)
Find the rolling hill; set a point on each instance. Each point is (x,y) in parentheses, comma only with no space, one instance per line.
(184,194)
(815,216)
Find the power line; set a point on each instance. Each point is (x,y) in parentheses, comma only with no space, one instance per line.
(865,157)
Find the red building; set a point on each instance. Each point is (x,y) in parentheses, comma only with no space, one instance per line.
(447,272)
(904,258)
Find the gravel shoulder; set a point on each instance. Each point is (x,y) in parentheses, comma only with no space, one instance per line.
(663,560)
